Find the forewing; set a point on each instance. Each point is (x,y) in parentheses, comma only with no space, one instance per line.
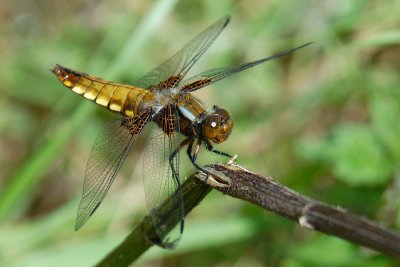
(176,67)
(162,183)
(208,77)
(108,153)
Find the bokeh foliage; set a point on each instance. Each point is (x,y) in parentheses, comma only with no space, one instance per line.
(323,121)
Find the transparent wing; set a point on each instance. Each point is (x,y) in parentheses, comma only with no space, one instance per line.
(176,67)
(208,77)
(162,183)
(108,153)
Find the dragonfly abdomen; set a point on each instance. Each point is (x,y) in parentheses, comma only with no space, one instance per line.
(126,99)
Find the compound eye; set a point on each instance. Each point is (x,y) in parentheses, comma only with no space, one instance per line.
(211,126)
(218,126)
(214,121)
(223,113)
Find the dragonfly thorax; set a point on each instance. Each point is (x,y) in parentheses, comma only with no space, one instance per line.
(164,96)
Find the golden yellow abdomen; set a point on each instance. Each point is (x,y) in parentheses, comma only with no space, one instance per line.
(125,99)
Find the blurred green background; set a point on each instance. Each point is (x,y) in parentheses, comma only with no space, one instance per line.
(323,121)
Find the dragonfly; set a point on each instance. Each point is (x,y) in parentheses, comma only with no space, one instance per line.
(162,101)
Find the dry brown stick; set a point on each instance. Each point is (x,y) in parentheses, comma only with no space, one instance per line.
(264,192)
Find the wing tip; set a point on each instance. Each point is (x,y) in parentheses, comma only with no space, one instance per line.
(298,47)
(80,222)
(306,44)
(226,20)
(78,225)
(82,219)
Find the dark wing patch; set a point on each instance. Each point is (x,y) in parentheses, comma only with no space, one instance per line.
(167,119)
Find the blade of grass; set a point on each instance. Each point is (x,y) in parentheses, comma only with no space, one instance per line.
(381,39)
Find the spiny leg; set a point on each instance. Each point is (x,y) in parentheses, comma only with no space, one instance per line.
(210,148)
(193,157)
(196,150)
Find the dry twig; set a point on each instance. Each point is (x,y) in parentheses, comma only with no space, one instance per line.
(266,193)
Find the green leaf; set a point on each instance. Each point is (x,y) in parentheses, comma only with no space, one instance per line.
(325,251)
(385,113)
(330,251)
(357,157)
(312,150)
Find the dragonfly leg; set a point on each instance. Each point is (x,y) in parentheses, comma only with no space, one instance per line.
(210,148)
(175,152)
(172,157)
(196,150)
(193,157)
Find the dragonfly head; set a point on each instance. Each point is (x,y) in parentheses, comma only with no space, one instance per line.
(217,126)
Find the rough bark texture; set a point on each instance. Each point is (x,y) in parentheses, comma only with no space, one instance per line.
(238,182)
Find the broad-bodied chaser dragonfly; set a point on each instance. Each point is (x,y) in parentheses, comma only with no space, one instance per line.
(161,100)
